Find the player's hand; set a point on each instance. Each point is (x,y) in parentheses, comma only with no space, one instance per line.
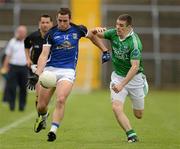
(32,81)
(98,30)
(117,87)
(106,56)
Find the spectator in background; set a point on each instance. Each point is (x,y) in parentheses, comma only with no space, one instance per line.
(33,44)
(15,65)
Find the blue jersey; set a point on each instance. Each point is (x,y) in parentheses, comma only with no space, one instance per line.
(64,46)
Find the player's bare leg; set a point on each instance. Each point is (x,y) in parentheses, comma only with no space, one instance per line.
(63,89)
(36,92)
(123,121)
(42,108)
(138,113)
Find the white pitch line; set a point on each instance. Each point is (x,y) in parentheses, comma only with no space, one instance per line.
(17,123)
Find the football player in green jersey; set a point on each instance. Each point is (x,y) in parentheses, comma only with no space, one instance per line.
(128,76)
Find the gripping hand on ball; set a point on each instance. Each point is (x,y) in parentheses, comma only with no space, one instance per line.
(32,80)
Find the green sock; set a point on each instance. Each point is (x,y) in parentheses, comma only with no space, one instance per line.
(130,133)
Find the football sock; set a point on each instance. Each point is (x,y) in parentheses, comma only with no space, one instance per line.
(54,127)
(130,133)
(44,115)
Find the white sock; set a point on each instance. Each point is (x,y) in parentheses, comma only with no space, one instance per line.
(54,127)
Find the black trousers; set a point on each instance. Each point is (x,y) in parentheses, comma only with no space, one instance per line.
(5,94)
(16,79)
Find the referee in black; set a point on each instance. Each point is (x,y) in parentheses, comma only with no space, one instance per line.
(34,42)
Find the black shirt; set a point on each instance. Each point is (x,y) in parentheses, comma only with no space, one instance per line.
(34,42)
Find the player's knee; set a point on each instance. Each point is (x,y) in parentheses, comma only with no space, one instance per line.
(138,114)
(61,100)
(117,107)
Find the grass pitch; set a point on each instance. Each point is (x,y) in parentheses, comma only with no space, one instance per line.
(89,123)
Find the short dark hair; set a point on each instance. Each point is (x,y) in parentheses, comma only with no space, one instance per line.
(45,16)
(65,11)
(127,18)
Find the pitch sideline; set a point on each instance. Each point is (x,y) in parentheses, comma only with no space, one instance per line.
(17,123)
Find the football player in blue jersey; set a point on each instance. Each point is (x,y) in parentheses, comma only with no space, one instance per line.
(60,55)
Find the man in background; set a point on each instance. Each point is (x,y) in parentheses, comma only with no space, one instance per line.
(34,42)
(15,65)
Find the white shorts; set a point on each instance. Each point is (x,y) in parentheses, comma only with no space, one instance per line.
(137,89)
(62,73)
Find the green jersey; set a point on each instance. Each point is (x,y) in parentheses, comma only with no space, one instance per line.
(123,51)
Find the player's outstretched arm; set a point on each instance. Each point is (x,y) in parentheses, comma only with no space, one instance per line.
(94,35)
(97,41)
(98,31)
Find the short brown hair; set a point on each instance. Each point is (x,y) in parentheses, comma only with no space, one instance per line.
(127,18)
(65,11)
(45,16)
